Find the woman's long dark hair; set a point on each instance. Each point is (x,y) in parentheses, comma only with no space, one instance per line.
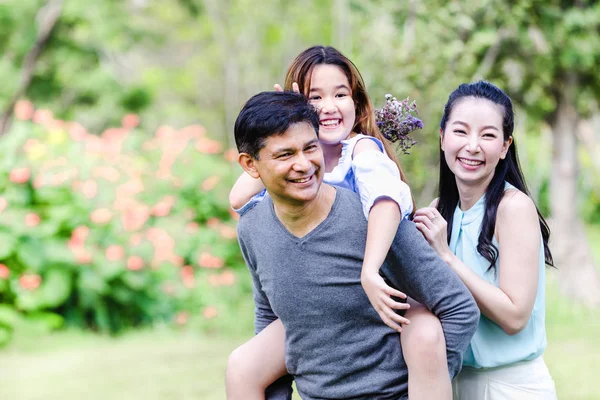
(507,170)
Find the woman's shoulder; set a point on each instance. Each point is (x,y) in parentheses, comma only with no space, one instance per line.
(515,205)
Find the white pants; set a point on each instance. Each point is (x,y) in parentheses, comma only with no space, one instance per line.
(527,380)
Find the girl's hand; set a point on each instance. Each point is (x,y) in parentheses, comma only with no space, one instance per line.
(295,87)
(379,294)
(434,227)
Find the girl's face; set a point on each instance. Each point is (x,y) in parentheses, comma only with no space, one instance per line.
(331,94)
(473,141)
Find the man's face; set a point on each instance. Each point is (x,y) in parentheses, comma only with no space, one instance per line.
(290,165)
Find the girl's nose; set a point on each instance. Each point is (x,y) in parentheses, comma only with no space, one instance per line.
(327,105)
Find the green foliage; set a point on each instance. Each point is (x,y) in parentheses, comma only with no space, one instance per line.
(77,73)
(117,230)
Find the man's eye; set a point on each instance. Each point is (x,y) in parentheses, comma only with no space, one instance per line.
(311,147)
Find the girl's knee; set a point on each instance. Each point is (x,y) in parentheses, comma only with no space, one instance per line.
(238,371)
(424,338)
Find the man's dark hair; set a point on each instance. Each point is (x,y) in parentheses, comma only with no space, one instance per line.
(271,113)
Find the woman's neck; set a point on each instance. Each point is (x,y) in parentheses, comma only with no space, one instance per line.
(469,194)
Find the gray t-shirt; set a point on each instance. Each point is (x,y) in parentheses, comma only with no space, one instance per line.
(336,345)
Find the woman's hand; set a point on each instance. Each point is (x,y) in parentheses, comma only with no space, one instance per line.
(295,87)
(434,227)
(379,294)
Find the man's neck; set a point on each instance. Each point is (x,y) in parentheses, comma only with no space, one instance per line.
(300,220)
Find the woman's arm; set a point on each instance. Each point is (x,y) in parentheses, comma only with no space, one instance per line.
(517,231)
(243,190)
(384,218)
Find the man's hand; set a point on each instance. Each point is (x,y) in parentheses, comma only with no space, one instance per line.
(379,294)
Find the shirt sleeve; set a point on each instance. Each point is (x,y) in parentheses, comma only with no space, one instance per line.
(413,267)
(263,313)
(257,198)
(263,316)
(376,177)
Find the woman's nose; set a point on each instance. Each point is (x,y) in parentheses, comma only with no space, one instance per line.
(473,144)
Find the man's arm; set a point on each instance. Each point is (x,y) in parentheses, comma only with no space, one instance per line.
(413,267)
(281,389)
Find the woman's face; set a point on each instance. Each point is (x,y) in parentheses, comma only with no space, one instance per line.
(473,141)
(331,94)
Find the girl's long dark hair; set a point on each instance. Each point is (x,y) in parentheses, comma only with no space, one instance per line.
(507,170)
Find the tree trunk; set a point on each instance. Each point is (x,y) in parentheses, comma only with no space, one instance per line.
(571,251)
(218,10)
(341,25)
(48,17)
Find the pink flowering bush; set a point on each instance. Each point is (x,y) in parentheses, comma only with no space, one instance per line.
(115,230)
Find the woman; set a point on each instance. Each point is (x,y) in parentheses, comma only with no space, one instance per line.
(498,245)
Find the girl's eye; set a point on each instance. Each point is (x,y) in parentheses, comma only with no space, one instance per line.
(341,95)
(313,98)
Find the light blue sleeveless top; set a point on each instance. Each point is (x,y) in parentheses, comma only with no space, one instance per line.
(491,346)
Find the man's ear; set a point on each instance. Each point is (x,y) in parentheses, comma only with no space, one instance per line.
(248,164)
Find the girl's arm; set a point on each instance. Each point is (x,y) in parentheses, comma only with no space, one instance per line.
(243,190)
(518,234)
(384,217)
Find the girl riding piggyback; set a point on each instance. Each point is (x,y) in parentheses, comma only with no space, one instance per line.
(356,157)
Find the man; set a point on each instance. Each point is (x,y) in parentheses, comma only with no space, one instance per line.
(304,246)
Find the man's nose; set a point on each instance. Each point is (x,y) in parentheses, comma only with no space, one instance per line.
(301,163)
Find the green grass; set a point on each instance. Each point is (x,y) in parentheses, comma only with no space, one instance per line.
(141,365)
(180,365)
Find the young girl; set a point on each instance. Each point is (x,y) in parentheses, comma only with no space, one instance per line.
(498,245)
(356,157)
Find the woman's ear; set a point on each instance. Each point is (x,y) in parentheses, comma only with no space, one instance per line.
(249,165)
(505,147)
(442,139)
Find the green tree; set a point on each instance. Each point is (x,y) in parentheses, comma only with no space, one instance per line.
(62,55)
(545,54)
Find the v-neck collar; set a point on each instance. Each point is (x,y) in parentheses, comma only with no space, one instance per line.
(318,228)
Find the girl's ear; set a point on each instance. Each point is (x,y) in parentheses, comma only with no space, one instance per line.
(249,165)
(505,147)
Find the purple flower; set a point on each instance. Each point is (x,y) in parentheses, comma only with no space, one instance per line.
(396,121)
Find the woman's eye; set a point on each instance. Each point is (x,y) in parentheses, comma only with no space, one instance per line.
(460,132)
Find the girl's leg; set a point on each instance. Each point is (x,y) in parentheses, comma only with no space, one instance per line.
(253,366)
(424,350)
